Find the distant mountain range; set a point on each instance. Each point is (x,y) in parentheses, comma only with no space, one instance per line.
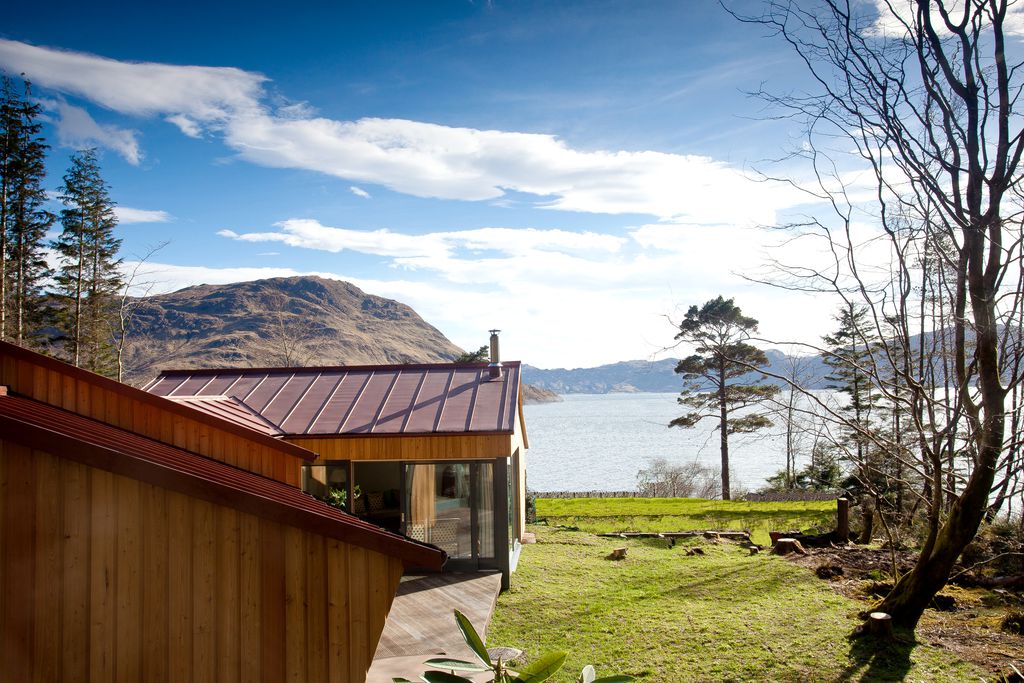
(653,376)
(296,321)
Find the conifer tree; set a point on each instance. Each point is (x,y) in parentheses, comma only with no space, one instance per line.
(8,148)
(27,222)
(88,278)
(719,380)
(850,360)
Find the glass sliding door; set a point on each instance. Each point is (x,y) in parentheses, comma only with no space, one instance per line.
(439,507)
(485,510)
(452,506)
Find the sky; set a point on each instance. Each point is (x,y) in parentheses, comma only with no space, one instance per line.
(576,174)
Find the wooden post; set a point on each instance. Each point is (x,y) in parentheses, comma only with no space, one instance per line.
(843,519)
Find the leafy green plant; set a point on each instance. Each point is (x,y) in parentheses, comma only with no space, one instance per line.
(540,670)
(338,496)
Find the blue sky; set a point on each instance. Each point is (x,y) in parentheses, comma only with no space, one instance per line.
(571,173)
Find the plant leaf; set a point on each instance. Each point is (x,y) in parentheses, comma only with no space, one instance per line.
(455,665)
(472,638)
(443,677)
(400,680)
(618,678)
(588,674)
(543,668)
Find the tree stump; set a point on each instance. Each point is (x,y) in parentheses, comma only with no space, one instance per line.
(785,546)
(754,550)
(879,625)
(843,519)
(618,554)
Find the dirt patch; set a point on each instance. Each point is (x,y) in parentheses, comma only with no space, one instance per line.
(964,621)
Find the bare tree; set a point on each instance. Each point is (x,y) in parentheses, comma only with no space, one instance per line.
(796,418)
(926,95)
(285,337)
(132,295)
(662,479)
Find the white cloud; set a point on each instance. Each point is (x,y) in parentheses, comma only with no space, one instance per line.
(429,248)
(893,17)
(359,192)
(568,283)
(186,125)
(412,157)
(77,129)
(201,93)
(128,215)
(430,160)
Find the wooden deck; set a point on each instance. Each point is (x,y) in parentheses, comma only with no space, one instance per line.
(421,623)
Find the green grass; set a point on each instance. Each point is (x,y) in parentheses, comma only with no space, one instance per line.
(607,515)
(664,616)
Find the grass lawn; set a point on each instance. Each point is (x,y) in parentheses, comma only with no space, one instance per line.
(603,515)
(664,616)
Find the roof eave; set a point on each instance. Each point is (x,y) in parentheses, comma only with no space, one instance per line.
(355,531)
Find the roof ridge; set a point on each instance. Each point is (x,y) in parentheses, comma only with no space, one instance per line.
(330,368)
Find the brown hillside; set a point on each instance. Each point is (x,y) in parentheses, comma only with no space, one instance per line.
(293,321)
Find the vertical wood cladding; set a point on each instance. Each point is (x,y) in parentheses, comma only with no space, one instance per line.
(78,391)
(105,578)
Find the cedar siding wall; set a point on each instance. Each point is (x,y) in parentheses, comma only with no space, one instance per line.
(60,385)
(106,578)
(427,447)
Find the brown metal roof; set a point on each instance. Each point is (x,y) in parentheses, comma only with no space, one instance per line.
(363,400)
(59,366)
(72,436)
(231,409)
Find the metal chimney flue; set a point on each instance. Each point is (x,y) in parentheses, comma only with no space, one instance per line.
(494,369)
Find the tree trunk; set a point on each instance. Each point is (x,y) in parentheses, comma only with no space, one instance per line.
(723,428)
(78,296)
(914,592)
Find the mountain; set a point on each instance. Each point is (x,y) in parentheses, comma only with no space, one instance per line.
(625,376)
(292,321)
(653,376)
(281,321)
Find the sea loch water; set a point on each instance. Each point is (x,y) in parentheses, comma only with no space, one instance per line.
(598,442)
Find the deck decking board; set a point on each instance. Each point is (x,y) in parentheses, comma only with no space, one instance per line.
(422,622)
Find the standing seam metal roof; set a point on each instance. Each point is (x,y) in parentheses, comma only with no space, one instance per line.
(362,400)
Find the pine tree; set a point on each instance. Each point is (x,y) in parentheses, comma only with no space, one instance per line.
(719,379)
(849,357)
(9,123)
(27,223)
(89,278)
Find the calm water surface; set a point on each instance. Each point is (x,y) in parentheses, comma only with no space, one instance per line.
(600,441)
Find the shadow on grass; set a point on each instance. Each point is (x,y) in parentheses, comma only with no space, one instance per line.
(873,659)
(716,580)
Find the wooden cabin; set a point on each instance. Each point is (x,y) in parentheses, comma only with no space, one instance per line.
(434,452)
(142,540)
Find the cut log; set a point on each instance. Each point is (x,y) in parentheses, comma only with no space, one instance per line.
(732,535)
(785,546)
(618,554)
(879,624)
